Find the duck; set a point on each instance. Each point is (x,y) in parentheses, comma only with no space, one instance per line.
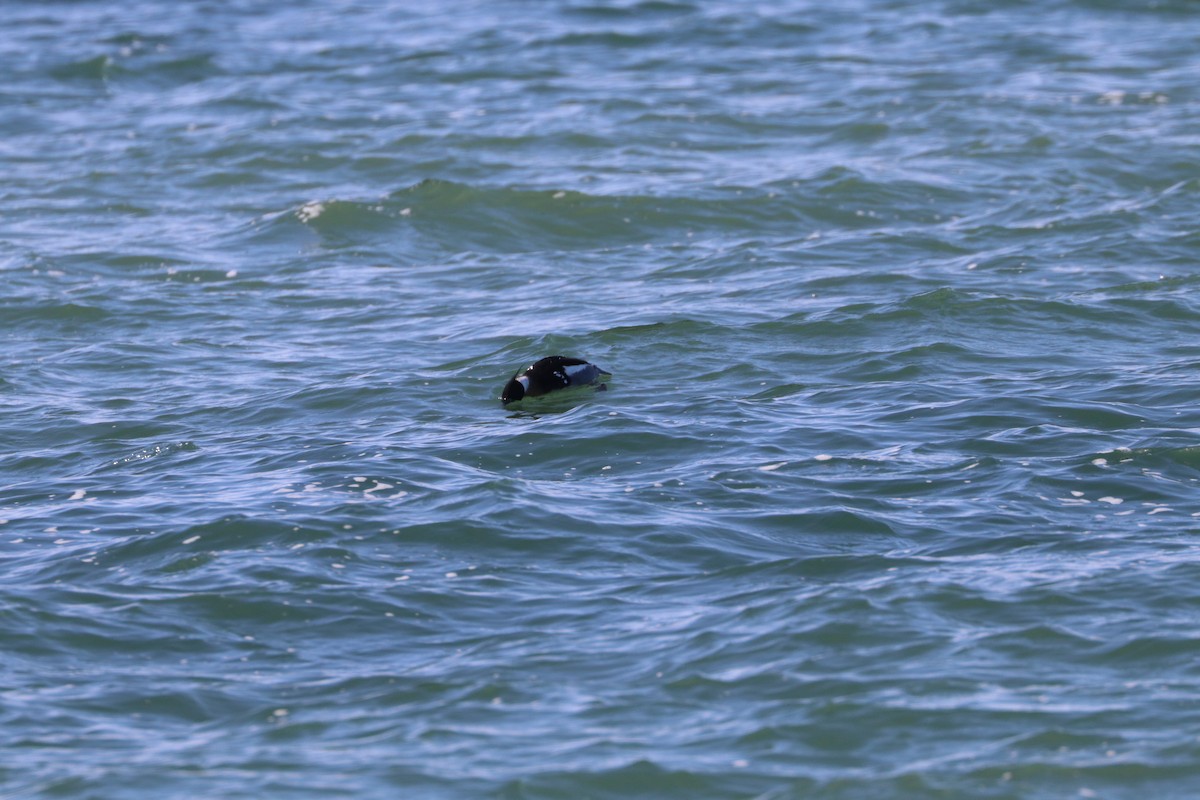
(550,374)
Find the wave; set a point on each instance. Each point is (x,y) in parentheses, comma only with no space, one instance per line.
(446,216)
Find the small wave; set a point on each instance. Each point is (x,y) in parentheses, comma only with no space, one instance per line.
(152,452)
(453,217)
(632,11)
(134,60)
(95,68)
(58,312)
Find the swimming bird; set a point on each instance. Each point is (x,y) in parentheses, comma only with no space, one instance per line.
(551,374)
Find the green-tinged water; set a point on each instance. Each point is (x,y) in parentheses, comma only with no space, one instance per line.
(893,493)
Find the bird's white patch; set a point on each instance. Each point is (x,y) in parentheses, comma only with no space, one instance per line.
(524,381)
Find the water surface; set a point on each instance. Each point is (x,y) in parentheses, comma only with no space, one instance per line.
(892,494)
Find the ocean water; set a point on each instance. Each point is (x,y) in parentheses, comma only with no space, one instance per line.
(893,493)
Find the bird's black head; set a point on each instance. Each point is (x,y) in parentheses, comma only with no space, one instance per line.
(513,391)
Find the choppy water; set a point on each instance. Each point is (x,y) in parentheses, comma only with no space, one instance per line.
(894,493)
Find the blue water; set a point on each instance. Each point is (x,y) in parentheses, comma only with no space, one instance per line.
(893,493)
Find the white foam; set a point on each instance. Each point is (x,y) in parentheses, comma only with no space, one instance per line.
(823,457)
(772,467)
(1116,501)
(310,211)
(78,494)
